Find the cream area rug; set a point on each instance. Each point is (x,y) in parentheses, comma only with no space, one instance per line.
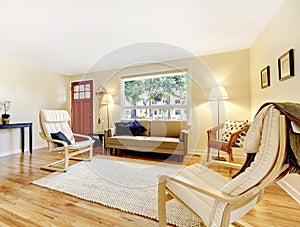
(130,186)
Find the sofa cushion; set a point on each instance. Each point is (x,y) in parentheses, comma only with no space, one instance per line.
(125,140)
(162,143)
(167,128)
(122,128)
(145,143)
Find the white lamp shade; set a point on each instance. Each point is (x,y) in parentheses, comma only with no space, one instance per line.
(218,93)
(107,99)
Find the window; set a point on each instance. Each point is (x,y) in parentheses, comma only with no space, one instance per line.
(177,112)
(161,96)
(82,91)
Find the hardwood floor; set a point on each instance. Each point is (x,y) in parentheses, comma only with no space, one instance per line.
(25,204)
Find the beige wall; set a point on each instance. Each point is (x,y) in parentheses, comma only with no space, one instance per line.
(230,70)
(29,89)
(281,34)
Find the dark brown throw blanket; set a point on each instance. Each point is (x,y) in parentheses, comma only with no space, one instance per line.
(292,113)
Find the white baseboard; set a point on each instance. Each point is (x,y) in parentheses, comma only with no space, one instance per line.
(10,152)
(236,152)
(290,190)
(39,146)
(17,151)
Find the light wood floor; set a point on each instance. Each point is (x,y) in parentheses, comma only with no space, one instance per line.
(25,204)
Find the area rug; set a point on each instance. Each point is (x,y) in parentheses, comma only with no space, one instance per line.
(130,186)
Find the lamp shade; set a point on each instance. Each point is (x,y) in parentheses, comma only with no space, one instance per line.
(218,93)
(107,99)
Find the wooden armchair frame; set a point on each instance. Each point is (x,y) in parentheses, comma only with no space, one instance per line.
(214,142)
(69,151)
(69,154)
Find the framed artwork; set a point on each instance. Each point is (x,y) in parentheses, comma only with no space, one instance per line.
(286,68)
(265,77)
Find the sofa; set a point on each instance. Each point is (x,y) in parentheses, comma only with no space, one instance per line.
(168,137)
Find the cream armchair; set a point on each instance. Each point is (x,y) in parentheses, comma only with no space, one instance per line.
(218,201)
(56,122)
(229,143)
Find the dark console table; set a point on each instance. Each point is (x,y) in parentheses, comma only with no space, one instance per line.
(99,139)
(21,126)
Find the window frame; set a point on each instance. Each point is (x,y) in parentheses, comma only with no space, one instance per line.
(182,107)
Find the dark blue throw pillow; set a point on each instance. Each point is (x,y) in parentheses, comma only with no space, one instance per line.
(129,128)
(136,128)
(60,136)
(122,128)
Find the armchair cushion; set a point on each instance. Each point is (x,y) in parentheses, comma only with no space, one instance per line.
(231,127)
(60,136)
(265,158)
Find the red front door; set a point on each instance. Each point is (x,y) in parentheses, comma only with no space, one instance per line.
(82,107)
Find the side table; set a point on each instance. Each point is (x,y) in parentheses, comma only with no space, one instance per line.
(99,139)
(21,126)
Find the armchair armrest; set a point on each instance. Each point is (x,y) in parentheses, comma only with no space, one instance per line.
(234,136)
(53,140)
(210,191)
(212,133)
(183,134)
(184,138)
(109,132)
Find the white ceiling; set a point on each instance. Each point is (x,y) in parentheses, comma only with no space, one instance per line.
(68,36)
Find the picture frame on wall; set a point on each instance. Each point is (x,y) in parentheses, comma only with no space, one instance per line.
(265,77)
(286,68)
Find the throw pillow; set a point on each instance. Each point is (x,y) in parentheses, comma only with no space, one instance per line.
(231,127)
(240,140)
(129,128)
(122,128)
(60,136)
(136,128)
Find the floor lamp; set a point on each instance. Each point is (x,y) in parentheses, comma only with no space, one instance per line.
(107,100)
(218,94)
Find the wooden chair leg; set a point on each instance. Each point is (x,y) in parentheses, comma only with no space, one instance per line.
(208,154)
(230,155)
(66,164)
(162,219)
(91,152)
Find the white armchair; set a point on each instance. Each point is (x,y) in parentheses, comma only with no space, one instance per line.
(218,201)
(54,121)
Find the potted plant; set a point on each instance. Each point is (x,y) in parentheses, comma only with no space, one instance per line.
(5,117)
